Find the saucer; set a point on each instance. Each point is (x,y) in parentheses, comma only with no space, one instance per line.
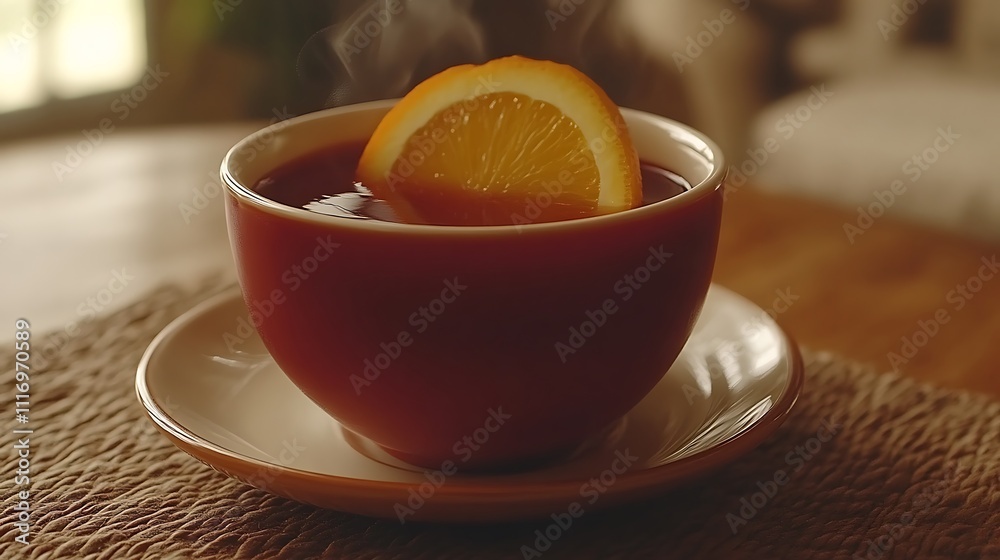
(212,388)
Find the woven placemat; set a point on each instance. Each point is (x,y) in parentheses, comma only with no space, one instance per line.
(912,472)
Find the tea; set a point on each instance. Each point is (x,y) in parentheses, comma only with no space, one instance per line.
(323,182)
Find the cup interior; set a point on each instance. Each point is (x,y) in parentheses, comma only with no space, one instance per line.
(659,141)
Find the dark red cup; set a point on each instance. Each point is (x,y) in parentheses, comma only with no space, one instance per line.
(473,347)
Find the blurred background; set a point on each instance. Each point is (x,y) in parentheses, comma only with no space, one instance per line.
(741,70)
(115,114)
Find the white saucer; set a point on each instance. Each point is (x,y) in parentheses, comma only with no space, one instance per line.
(733,385)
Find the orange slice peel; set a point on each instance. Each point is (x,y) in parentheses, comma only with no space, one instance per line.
(481,144)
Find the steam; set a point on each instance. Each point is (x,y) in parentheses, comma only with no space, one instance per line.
(385,46)
(382,48)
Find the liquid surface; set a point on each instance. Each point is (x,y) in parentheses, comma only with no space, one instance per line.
(324,183)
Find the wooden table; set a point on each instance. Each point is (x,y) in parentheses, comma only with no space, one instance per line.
(861,300)
(121,209)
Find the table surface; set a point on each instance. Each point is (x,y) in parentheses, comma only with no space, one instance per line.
(896,281)
(145,208)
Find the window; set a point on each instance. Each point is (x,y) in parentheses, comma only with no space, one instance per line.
(63,49)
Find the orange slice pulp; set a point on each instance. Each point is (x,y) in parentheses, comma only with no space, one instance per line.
(512,141)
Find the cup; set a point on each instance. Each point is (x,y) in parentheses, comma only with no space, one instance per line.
(473,347)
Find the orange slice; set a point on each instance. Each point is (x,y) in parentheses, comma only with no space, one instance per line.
(512,141)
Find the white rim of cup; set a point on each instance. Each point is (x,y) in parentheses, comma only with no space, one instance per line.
(678,132)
